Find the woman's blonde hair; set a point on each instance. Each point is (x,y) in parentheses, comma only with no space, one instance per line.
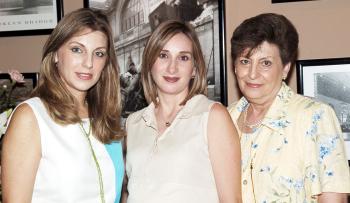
(161,35)
(103,98)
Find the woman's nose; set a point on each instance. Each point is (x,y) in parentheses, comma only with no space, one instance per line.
(253,71)
(172,66)
(88,61)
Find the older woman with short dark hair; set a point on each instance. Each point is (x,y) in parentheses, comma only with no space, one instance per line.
(292,146)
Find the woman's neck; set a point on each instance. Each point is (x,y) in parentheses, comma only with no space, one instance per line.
(258,109)
(82,105)
(166,110)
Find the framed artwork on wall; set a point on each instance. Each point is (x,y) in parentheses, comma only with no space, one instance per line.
(21,17)
(328,80)
(285,1)
(133,21)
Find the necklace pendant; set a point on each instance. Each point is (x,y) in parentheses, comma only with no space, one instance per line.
(167,124)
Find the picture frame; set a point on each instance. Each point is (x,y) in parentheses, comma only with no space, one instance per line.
(328,80)
(285,1)
(37,17)
(21,91)
(133,21)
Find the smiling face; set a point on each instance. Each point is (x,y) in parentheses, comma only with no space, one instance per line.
(259,76)
(81,60)
(174,66)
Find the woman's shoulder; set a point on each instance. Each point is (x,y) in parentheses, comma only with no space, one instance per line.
(199,104)
(34,102)
(23,116)
(308,106)
(25,108)
(137,115)
(307,102)
(218,110)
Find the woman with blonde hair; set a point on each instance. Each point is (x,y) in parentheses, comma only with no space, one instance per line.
(183,147)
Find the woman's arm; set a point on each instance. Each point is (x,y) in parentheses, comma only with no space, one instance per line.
(20,156)
(333,197)
(124,195)
(224,154)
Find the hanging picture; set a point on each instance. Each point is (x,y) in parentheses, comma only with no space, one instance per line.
(23,17)
(285,1)
(133,22)
(328,80)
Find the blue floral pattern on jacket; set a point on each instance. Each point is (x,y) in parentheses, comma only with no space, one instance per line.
(297,153)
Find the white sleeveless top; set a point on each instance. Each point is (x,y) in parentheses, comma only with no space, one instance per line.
(174,168)
(67,172)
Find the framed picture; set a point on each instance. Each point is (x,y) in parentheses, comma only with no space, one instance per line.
(285,1)
(328,80)
(133,21)
(22,17)
(12,95)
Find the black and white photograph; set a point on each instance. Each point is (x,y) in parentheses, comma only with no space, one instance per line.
(24,17)
(328,80)
(133,21)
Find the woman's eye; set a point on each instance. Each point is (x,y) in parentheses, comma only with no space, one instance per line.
(163,55)
(244,61)
(76,50)
(266,63)
(100,54)
(184,58)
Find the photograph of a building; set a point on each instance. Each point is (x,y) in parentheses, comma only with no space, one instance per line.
(133,21)
(23,7)
(334,89)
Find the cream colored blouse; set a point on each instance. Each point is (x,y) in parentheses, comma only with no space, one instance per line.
(297,153)
(175,166)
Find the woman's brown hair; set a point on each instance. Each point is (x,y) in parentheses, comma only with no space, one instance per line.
(161,35)
(270,27)
(103,98)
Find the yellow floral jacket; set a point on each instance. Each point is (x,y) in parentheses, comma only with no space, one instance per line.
(297,153)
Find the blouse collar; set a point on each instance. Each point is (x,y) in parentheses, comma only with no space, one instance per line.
(192,107)
(276,117)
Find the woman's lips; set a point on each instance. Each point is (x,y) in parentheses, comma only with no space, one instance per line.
(171,79)
(84,76)
(253,85)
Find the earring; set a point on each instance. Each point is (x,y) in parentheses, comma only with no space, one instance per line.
(284,78)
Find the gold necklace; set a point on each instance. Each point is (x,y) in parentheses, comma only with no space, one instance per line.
(100,180)
(251,164)
(168,123)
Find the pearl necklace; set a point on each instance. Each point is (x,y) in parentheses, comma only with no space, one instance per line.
(251,126)
(100,180)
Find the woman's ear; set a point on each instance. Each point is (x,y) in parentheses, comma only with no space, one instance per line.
(194,72)
(285,71)
(56,57)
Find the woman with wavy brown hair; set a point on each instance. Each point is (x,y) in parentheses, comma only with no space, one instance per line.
(63,145)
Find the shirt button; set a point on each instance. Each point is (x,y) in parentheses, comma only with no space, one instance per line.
(245,182)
